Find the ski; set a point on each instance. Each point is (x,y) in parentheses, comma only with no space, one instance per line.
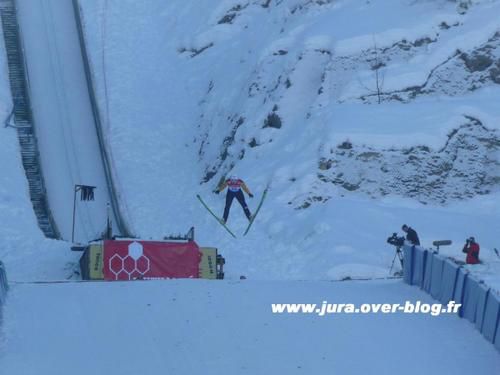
(256,211)
(214,215)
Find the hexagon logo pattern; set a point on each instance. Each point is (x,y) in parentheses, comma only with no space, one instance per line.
(132,266)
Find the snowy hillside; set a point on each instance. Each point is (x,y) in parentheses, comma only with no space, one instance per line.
(285,92)
(360,115)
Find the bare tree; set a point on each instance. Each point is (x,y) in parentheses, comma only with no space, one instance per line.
(376,65)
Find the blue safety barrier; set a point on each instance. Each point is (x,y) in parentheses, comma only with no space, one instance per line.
(482,297)
(419,258)
(408,264)
(437,275)
(447,281)
(4,287)
(496,340)
(491,316)
(471,298)
(428,272)
(460,288)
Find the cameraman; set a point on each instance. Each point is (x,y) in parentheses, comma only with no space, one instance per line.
(411,235)
(471,248)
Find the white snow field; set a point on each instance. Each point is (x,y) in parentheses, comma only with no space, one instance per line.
(193,69)
(63,116)
(202,327)
(169,105)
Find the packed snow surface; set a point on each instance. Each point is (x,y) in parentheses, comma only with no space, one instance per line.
(192,90)
(212,327)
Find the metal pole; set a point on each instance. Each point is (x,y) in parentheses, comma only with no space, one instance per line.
(74,212)
(109,228)
(401,258)
(392,264)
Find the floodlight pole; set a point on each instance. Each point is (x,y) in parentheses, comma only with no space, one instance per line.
(87,194)
(76,189)
(109,224)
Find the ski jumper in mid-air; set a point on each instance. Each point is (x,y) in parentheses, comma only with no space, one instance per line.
(234,190)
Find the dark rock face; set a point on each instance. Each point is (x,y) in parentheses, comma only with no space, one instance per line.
(195,51)
(495,73)
(273,121)
(467,165)
(235,121)
(460,73)
(476,62)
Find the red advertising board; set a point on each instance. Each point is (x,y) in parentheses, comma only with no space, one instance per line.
(130,260)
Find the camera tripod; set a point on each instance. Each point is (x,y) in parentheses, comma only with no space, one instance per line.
(398,254)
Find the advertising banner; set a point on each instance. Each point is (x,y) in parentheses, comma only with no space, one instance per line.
(95,262)
(148,260)
(208,264)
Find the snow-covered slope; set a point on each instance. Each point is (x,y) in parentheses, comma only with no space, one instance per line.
(203,327)
(27,254)
(193,89)
(283,92)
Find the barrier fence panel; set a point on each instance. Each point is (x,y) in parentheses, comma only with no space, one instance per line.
(419,257)
(428,273)
(4,286)
(445,280)
(471,296)
(491,317)
(496,340)
(483,293)
(408,264)
(449,281)
(437,275)
(460,288)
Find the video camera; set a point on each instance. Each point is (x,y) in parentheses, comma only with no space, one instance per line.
(396,241)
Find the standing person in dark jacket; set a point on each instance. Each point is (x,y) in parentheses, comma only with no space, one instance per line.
(411,235)
(471,248)
(234,190)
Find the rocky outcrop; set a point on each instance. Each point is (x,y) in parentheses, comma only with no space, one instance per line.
(467,165)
